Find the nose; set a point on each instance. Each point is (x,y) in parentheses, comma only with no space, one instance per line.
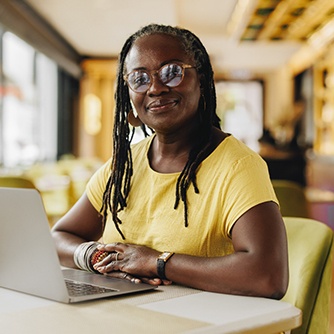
(157,87)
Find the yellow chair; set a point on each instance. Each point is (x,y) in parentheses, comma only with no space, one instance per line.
(310,245)
(292,198)
(15,182)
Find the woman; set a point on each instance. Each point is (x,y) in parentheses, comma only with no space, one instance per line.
(190,204)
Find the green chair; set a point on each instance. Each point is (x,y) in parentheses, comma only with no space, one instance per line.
(15,182)
(292,198)
(310,244)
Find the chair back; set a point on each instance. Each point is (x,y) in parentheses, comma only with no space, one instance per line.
(310,245)
(15,182)
(292,198)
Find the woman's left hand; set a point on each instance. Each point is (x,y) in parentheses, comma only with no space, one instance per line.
(132,262)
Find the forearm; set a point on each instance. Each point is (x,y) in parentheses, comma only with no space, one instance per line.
(81,224)
(66,245)
(239,273)
(243,272)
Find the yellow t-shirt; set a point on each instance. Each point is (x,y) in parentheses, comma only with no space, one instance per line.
(231,180)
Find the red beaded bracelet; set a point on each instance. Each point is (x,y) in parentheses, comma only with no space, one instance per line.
(98,256)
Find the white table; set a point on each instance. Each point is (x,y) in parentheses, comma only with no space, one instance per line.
(170,309)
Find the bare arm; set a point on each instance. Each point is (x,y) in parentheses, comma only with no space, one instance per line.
(259,266)
(82,223)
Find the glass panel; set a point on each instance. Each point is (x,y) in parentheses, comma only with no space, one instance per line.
(240,108)
(29,105)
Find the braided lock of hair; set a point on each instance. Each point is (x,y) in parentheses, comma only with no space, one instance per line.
(118,185)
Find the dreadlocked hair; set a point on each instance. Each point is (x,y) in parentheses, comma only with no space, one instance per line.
(118,185)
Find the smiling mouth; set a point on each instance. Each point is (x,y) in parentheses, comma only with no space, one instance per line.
(162,105)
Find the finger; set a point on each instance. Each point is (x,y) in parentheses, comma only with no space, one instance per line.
(167,282)
(112,257)
(152,281)
(156,281)
(106,268)
(113,247)
(122,275)
(110,263)
(104,261)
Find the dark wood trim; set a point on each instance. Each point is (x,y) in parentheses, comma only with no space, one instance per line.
(18,17)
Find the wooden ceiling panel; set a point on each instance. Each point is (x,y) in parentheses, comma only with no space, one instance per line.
(288,19)
(315,16)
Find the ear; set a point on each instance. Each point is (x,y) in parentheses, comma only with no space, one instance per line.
(134,120)
(134,111)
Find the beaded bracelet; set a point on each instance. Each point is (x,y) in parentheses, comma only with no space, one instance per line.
(98,256)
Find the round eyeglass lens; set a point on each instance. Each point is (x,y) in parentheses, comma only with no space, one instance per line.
(139,81)
(171,75)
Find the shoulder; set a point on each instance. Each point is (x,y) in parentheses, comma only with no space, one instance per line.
(233,160)
(233,151)
(97,184)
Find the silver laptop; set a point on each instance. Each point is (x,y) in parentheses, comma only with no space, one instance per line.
(29,262)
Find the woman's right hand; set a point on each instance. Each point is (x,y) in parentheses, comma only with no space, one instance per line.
(133,262)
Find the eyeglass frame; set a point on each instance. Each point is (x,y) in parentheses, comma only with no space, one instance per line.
(153,72)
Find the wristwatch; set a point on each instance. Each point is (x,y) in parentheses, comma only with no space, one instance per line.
(161,263)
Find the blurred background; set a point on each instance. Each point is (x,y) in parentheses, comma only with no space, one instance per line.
(274,69)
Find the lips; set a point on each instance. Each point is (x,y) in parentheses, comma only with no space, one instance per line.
(162,104)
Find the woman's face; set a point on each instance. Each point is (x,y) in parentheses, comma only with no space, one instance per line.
(163,108)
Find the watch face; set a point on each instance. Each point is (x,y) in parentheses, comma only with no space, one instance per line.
(164,255)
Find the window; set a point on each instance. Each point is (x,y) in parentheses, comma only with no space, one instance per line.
(240,108)
(28,108)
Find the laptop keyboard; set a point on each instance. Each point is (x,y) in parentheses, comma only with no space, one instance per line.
(83,289)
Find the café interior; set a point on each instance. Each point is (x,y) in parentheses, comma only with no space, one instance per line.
(274,69)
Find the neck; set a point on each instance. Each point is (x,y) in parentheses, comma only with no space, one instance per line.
(169,152)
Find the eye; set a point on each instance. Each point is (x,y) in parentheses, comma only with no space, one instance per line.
(171,74)
(138,79)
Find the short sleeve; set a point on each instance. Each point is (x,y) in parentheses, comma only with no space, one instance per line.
(247,185)
(97,184)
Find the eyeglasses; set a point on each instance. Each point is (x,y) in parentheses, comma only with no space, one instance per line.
(171,75)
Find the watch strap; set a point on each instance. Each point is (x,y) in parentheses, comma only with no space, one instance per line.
(161,264)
